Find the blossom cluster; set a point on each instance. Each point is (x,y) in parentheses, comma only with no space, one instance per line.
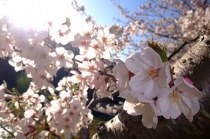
(148,86)
(175,23)
(46,111)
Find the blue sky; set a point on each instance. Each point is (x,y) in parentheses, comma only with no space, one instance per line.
(103,11)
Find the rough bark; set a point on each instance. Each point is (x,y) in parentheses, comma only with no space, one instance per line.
(195,64)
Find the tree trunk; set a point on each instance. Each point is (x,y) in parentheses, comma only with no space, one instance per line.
(195,65)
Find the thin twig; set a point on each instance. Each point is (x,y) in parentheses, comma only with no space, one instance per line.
(7,131)
(55,135)
(94,102)
(107,74)
(75,60)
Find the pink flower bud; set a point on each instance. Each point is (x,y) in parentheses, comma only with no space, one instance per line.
(188,80)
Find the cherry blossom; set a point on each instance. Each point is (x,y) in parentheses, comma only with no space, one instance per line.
(104,36)
(88,68)
(149,71)
(146,83)
(182,97)
(64,57)
(61,33)
(141,106)
(82,42)
(6,43)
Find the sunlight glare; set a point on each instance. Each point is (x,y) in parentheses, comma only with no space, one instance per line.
(37,13)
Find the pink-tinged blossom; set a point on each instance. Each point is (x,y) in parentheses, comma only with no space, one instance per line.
(61,35)
(88,68)
(62,84)
(87,116)
(82,94)
(77,78)
(27,128)
(102,87)
(188,80)
(65,96)
(82,42)
(182,97)
(4,111)
(81,58)
(55,109)
(29,113)
(76,106)
(104,36)
(151,74)
(96,50)
(64,57)
(88,30)
(82,39)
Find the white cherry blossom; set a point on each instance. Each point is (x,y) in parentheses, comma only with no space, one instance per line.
(151,74)
(182,97)
(141,106)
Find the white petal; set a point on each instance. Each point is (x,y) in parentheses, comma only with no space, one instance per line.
(141,97)
(129,107)
(149,118)
(186,111)
(91,53)
(134,64)
(193,104)
(139,84)
(163,104)
(187,89)
(127,95)
(151,58)
(173,112)
(164,76)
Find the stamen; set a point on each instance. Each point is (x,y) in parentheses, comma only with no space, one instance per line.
(175,98)
(151,73)
(90,68)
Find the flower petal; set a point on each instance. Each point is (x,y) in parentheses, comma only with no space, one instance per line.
(150,58)
(148,87)
(134,64)
(164,75)
(149,117)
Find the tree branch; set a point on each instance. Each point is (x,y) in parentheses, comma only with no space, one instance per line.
(7,131)
(182,46)
(95,101)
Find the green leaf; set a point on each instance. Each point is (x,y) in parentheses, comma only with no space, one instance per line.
(75,87)
(161,51)
(50,97)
